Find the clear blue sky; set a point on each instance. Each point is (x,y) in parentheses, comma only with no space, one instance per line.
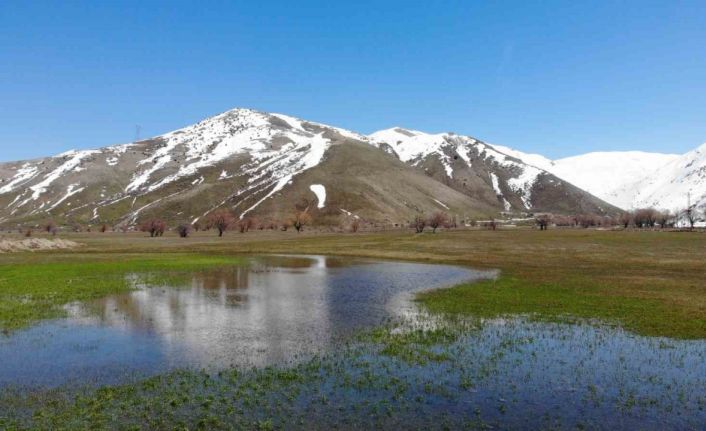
(558,78)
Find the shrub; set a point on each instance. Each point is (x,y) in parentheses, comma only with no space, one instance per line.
(155,227)
(184,230)
(437,219)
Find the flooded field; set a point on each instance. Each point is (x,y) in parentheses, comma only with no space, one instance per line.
(317,342)
(266,312)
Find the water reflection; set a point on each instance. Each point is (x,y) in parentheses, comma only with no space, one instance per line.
(270,311)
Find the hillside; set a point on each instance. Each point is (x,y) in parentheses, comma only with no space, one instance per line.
(266,165)
(486,173)
(633,179)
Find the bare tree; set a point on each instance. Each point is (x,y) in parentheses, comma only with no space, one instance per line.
(28,233)
(196,226)
(220,220)
(184,230)
(437,219)
(300,219)
(104,228)
(588,220)
(563,221)
(155,227)
(626,219)
(355,225)
(645,217)
(665,219)
(690,216)
(419,223)
(543,221)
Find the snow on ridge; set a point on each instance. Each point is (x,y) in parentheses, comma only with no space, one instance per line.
(413,144)
(669,187)
(536,160)
(25,173)
(410,144)
(73,164)
(320,192)
(239,131)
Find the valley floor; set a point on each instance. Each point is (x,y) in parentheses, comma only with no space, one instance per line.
(647,283)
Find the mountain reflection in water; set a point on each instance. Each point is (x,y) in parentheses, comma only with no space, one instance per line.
(270,311)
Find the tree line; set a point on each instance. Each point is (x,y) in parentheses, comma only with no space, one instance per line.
(641,218)
(223,220)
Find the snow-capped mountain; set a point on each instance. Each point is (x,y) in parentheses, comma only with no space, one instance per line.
(268,164)
(673,186)
(470,165)
(632,179)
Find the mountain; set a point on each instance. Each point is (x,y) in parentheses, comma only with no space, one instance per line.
(266,165)
(487,173)
(678,183)
(609,175)
(633,179)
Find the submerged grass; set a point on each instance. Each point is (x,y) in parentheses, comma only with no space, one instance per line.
(497,376)
(38,286)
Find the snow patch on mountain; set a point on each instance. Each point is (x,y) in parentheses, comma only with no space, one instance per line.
(72,163)
(413,145)
(441,204)
(496,186)
(320,192)
(348,213)
(71,190)
(24,174)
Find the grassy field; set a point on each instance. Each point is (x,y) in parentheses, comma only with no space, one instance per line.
(649,282)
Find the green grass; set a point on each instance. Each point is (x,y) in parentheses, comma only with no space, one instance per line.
(561,302)
(38,286)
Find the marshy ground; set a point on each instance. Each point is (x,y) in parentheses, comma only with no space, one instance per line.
(582,329)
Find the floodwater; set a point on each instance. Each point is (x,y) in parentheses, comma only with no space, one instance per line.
(270,311)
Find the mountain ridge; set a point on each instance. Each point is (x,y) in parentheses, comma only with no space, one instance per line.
(255,163)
